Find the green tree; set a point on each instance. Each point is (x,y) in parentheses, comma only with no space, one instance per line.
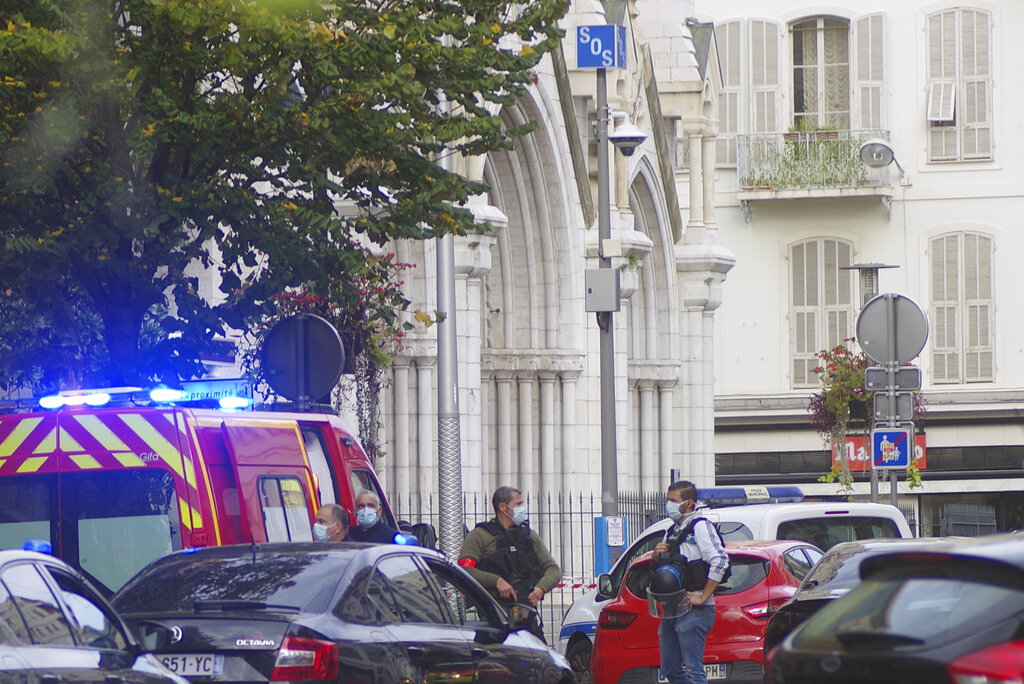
(143,140)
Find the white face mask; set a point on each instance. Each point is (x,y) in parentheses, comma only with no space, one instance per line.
(519,514)
(367,517)
(320,532)
(672,510)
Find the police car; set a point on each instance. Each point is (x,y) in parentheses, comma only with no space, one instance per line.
(783,516)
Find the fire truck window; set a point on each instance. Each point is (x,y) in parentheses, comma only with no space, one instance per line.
(285,513)
(25,509)
(36,603)
(364,479)
(320,464)
(117,521)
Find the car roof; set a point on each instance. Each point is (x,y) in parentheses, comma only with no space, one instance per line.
(755,516)
(838,570)
(1004,549)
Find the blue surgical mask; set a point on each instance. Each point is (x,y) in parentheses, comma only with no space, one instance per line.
(519,514)
(672,510)
(366,517)
(320,531)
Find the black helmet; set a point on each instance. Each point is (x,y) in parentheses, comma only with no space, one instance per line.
(666,580)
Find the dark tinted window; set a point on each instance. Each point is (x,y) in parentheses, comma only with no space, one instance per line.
(301,580)
(473,606)
(827,532)
(116,522)
(797,563)
(912,605)
(37,605)
(747,571)
(415,598)
(25,509)
(97,628)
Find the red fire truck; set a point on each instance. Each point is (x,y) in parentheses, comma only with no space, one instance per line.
(114,487)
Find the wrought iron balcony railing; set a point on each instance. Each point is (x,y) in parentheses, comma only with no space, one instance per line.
(806,160)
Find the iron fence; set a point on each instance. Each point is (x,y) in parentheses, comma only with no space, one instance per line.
(565,521)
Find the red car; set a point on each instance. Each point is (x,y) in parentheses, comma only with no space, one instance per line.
(764,575)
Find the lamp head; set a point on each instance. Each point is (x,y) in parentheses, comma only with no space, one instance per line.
(627,138)
(876,153)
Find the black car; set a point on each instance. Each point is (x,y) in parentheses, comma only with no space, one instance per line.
(952,615)
(55,627)
(330,612)
(835,574)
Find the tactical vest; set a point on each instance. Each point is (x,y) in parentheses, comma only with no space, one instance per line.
(694,572)
(515,558)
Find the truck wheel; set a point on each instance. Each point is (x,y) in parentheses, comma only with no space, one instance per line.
(578,655)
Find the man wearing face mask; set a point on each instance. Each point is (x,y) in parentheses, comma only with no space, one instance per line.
(695,549)
(370,527)
(508,558)
(331,523)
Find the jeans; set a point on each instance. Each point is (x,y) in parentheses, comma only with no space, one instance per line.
(682,645)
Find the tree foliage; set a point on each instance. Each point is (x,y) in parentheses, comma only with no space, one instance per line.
(142,141)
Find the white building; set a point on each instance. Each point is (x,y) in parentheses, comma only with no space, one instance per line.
(939,81)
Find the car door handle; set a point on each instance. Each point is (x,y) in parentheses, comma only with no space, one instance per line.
(417,651)
(480,652)
(115,679)
(50,679)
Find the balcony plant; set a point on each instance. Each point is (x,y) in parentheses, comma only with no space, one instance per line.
(843,404)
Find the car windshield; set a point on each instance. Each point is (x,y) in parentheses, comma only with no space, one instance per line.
(746,572)
(265,581)
(904,605)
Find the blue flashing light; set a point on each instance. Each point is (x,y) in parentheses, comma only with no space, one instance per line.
(192,549)
(740,496)
(51,402)
(233,403)
(97,399)
(40,545)
(166,394)
(406,540)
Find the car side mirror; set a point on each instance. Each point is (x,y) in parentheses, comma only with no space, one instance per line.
(605,588)
(152,636)
(523,616)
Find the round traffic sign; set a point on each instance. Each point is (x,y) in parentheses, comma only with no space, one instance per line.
(303,357)
(892,328)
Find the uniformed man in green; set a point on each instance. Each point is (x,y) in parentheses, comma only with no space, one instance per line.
(507,557)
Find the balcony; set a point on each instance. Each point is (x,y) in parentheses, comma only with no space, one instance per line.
(807,164)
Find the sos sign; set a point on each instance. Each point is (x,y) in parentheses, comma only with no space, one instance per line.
(601,47)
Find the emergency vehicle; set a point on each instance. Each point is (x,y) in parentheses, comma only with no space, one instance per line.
(116,480)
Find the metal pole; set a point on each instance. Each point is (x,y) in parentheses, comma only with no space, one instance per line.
(609,464)
(449,437)
(890,369)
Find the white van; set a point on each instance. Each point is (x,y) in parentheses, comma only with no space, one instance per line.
(821,524)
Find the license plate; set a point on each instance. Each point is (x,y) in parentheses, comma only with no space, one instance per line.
(209,664)
(711,671)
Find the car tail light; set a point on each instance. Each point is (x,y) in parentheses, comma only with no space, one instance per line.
(764,609)
(305,660)
(615,619)
(1001,664)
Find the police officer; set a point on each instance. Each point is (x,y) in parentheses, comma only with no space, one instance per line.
(508,558)
(694,547)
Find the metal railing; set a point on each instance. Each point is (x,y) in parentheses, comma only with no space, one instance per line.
(806,159)
(564,521)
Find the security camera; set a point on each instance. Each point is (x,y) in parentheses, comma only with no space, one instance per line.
(627,138)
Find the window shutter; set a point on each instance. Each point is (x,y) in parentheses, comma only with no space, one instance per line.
(943,138)
(729,50)
(821,302)
(870,58)
(804,274)
(976,100)
(945,288)
(764,56)
(978,363)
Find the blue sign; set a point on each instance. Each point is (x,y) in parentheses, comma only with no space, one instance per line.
(891,448)
(601,47)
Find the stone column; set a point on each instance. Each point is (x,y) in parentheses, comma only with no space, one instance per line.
(666,432)
(648,480)
(548,423)
(708,174)
(570,454)
(503,393)
(402,446)
(424,473)
(525,456)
